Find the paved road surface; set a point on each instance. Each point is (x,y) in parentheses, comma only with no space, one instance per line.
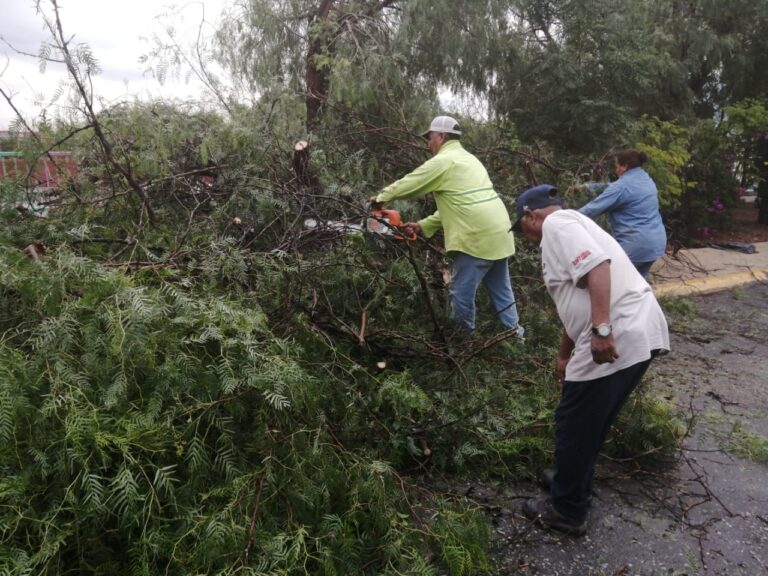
(705,270)
(704,514)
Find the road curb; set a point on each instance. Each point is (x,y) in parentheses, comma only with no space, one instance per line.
(709,284)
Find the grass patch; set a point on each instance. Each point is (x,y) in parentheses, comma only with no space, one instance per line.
(748,445)
(680,311)
(647,427)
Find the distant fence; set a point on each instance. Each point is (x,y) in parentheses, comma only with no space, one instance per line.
(49,171)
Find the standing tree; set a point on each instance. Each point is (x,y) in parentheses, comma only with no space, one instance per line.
(302,48)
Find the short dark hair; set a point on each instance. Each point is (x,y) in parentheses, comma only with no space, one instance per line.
(631,158)
(449,136)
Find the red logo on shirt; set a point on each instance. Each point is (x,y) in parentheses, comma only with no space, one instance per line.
(581,257)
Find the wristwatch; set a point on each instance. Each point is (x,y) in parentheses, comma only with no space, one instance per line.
(603,330)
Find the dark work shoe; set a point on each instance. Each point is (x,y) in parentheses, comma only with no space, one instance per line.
(541,509)
(547,477)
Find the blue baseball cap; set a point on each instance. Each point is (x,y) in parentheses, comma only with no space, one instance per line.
(534,198)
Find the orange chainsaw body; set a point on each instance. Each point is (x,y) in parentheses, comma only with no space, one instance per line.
(386,223)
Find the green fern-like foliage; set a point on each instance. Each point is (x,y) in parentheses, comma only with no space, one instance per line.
(224,390)
(147,431)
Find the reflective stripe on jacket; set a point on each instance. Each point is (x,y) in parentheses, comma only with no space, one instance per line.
(470,211)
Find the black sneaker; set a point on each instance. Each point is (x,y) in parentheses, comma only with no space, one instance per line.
(541,509)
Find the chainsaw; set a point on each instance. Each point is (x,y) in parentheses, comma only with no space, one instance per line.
(387,223)
(378,221)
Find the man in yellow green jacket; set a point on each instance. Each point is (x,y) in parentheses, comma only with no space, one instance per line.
(474,218)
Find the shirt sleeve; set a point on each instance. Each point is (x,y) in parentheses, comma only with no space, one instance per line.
(607,201)
(431,224)
(577,251)
(425,179)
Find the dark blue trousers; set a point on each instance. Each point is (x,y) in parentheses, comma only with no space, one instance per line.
(582,420)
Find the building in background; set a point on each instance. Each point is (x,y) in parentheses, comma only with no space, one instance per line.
(39,178)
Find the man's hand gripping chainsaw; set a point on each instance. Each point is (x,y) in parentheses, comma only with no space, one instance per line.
(387,223)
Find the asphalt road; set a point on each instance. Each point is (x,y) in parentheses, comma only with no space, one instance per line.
(706,511)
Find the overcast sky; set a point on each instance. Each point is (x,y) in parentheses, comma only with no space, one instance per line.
(118,33)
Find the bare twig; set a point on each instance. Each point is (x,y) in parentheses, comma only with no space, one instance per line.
(46,149)
(254,515)
(85,93)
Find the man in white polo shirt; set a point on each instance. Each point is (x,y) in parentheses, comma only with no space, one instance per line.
(613,327)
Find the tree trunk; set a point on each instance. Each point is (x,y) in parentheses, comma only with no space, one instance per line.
(301,164)
(307,184)
(317,78)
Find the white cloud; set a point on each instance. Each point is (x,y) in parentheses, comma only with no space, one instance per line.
(117,32)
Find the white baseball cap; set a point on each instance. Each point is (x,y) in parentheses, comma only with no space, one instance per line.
(445,124)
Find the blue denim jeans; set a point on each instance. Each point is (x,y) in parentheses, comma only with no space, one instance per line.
(468,273)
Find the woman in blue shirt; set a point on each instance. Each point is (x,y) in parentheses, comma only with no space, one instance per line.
(632,205)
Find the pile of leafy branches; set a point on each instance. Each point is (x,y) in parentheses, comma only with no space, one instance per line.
(225,390)
(145,430)
(193,381)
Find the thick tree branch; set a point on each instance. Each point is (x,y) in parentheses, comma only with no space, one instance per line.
(317,79)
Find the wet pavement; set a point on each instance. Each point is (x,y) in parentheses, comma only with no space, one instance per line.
(705,512)
(707,270)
